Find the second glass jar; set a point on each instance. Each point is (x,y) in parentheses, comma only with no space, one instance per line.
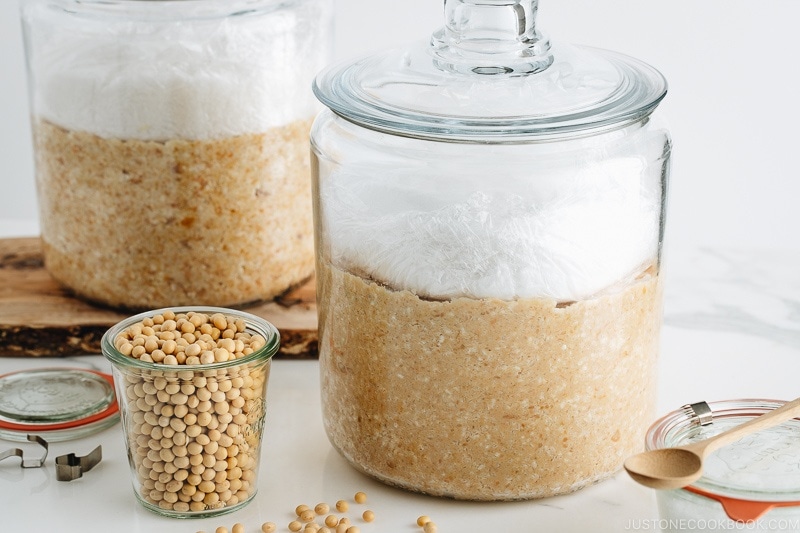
(171,145)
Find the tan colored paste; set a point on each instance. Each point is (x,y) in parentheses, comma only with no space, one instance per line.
(486,399)
(145,224)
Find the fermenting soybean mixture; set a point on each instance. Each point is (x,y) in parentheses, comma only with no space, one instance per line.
(194,436)
(487,399)
(175,222)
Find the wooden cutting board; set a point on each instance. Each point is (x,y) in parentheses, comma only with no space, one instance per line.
(40,318)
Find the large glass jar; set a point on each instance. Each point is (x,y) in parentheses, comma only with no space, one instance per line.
(489,214)
(171,145)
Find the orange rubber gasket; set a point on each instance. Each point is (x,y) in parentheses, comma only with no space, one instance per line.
(742,510)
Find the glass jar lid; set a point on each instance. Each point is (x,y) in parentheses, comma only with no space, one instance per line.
(749,477)
(56,403)
(489,74)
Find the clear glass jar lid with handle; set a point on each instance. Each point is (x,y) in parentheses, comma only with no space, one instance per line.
(489,73)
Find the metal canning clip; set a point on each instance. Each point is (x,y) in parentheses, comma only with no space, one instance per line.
(70,466)
(28,463)
(699,412)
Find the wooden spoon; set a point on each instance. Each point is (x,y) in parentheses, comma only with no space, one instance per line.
(674,468)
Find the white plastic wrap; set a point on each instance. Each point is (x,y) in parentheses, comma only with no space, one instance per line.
(210,79)
(572,235)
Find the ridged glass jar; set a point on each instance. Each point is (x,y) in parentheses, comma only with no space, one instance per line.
(750,485)
(193,431)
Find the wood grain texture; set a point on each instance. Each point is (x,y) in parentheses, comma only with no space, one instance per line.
(40,318)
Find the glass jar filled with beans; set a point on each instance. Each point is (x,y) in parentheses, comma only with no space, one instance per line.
(192,395)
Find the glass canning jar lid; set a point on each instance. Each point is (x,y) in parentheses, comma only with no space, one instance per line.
(490,75)
(749,477)
(57,403)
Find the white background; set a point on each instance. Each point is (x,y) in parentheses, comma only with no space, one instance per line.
(732,106)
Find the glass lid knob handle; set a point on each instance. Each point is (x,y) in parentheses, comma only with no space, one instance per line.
(490,37)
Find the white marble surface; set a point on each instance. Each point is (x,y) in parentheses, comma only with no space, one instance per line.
(731,330)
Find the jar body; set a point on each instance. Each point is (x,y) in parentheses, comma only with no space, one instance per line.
(488,311)
(170,143)
(193,432)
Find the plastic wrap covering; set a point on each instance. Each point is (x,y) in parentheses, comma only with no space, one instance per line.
(565,234)
(156,79)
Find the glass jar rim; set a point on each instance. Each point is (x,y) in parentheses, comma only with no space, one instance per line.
(165,10)
(254,323)
(680,426)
